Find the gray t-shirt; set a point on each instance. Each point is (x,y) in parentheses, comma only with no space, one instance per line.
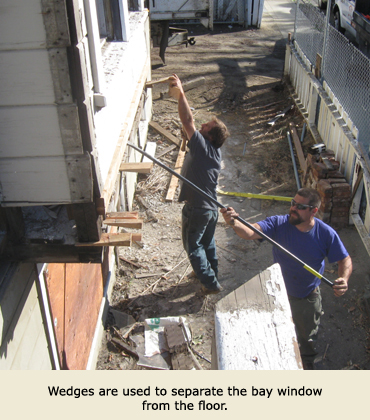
(202,166)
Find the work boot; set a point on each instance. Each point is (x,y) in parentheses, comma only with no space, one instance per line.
(212,291)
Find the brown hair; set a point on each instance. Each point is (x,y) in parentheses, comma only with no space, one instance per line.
(219,133)
(313,196)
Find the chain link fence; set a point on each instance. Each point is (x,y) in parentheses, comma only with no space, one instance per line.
(345,69)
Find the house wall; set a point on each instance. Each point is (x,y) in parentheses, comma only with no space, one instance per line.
(42,160)
(24,343)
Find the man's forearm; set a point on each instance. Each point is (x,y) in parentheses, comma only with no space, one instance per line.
(185,114)
(345,268)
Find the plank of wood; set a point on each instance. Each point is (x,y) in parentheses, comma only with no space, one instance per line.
(139,167)
(123,215)
(298,146)
(113,239)
(128,223)
(191,84)
(144,275)
(154,82)
(165,151)
(164,132)
(174,180)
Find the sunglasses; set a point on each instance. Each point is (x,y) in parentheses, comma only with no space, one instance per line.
(301,206)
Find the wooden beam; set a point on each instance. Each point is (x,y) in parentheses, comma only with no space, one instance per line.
(298,146)
(123,215)
(129,223)
(164,132)
(154,82)
(113,239)
(174,180)
(165,151)
(139,167)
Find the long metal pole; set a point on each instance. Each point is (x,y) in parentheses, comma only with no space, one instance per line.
(255,230)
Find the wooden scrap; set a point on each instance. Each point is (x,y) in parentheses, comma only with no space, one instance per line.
(142,276)
(191,84)
(123,215)
(174,180)
(298,146)
(126,348)
(165,151)
(128,223)
(165,133)
(130,262)
(139,167)
(113,239)
(154,82)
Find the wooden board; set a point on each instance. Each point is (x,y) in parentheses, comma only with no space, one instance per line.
(254,328)
(174,180)
(298,147)
(165,133)
(113,239)
(127,223)
(123,215)
(138,167)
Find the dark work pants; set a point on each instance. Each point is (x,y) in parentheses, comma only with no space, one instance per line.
(306,314)
(198,229)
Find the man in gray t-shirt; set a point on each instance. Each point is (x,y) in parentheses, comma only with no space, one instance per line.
(202,166)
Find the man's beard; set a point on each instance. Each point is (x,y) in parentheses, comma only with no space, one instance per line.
(295,220)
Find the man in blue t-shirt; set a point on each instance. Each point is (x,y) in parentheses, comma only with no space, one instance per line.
(311,240)
(201,167)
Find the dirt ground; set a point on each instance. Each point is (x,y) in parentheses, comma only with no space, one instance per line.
(242,72)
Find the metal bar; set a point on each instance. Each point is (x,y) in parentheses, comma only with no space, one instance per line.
(293,160)
(245,223)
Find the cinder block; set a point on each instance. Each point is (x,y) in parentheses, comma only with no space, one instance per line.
(324,188)
(319,170)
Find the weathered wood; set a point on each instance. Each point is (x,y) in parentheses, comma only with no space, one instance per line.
(87,222)
(190,84)
(139,167)
(113,239)
(144,275)
(50,253)
(254,328)
(154,82)
(298,146)
(162,131)
(128,223)
(123,215)
(174,180)
(165,151)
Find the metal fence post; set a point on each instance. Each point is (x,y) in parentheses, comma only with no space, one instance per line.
(326,35)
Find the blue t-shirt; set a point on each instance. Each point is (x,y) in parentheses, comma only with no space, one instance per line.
(310,247)
(201,167)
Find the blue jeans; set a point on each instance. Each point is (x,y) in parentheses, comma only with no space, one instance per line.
(306,315)
(198,229)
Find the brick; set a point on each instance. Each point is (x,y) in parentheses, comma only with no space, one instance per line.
(319,170)
(339,221)
(324,188)
(335,174)
(328,154)
(336,180)
(340,188)
(326,207)
(325,217)
(335,213)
